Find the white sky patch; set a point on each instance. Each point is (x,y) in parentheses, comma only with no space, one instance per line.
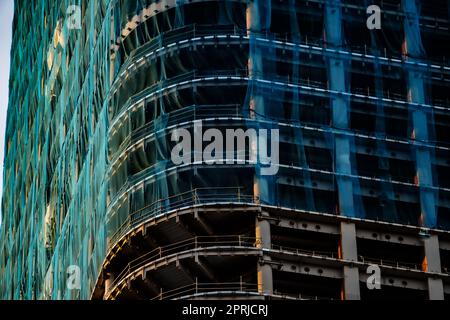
(6,18)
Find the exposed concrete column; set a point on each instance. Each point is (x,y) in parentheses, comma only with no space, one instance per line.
(263,233)
(254,15)
(343,166)
(265,279)
(432,263)
(412,47)
(264,269)
(109,279)
(348,251)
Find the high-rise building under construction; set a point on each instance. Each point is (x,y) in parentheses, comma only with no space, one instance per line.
(358,206)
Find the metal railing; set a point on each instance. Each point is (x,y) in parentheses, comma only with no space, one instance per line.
(294,165)
(195,243)
(199,287)
(207,242)
(190,113)
(313,253)
(300,296)
(179,34)
(200,31)
(190,198)
(186,199)
(119,107)
(390,263)
(196,30)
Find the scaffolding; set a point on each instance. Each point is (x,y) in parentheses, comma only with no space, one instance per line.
(362,115)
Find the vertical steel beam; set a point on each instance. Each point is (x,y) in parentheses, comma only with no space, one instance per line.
(348,251)
(255,13)
(432,263)
(412,48)
(343,166)
(340,108)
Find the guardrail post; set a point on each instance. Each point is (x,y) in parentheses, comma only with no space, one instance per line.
(159,208)
(196,285)
(194,196)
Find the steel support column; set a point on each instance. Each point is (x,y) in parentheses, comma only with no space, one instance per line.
(264,269)
(432,263)
(255,12)
(340,117)
(348,251)
(340,107)
(109,279)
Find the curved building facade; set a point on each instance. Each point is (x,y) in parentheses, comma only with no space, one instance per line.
(173,149)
